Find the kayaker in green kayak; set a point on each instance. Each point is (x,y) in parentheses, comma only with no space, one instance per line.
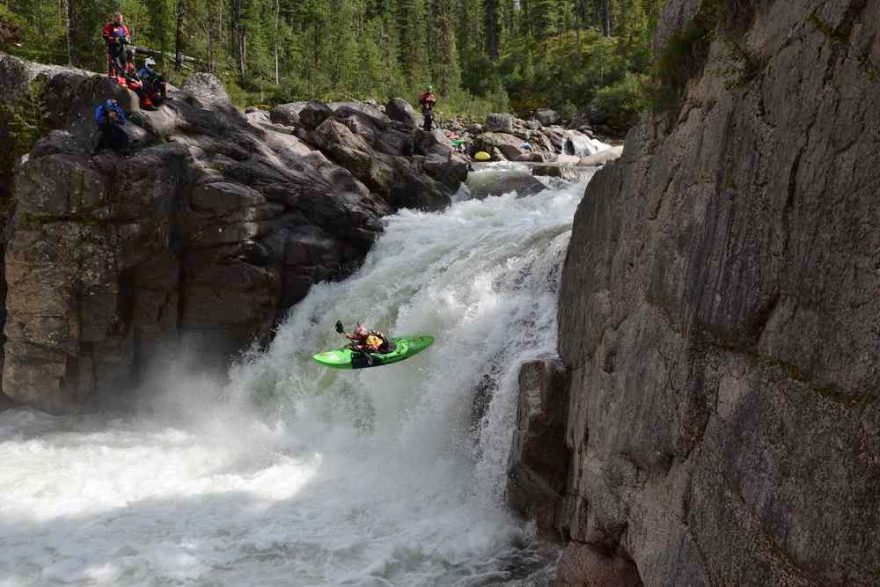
(365,340)
(372,349)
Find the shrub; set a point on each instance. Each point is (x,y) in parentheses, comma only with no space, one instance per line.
(623,101)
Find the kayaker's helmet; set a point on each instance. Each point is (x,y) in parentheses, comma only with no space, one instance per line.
(111,103)
(150,63)
(361,330)
(429,88)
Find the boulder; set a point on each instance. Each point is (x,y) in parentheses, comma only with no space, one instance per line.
(580,145)
(555,136)
(584,565)
(547,117)
(537,469)
(287,114)
(206,89)
(497,184)
(499,122)
(313,113)
(368,108)
(402,111)
(602,157)
(500,145)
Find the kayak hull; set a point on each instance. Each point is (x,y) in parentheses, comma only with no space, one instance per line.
(345,358)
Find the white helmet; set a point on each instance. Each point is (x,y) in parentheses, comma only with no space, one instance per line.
(150,62)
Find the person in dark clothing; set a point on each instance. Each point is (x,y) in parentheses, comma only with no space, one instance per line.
(155,87)
(130,74)
(427,101)
(110,119)
(117,35)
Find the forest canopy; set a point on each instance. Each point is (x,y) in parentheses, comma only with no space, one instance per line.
(480,55)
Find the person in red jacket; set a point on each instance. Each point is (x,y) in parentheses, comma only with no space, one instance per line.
(117,35)
(427,101)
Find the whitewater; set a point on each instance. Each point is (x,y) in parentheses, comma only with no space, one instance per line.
(286,473)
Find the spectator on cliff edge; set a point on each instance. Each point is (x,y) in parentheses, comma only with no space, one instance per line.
(110,119)
(427,101)
(117,35)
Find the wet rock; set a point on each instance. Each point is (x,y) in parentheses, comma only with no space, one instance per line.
(523,183)
(538,470)
(602,157)
(579,145)
(583,565)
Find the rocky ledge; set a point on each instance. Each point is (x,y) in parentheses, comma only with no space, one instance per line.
(719,316)
(216,224)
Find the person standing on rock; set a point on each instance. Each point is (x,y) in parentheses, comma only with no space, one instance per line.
(117,35)
(427,101)
(110,119)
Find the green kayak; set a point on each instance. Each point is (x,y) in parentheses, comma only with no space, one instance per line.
(404,348)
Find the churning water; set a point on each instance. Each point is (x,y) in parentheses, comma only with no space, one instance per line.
(289,473)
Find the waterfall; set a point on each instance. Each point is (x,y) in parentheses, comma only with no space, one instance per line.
(290,473)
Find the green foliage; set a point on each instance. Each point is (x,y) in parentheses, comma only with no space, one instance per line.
(683,57)
(623,101)
(22,122)
(479,54)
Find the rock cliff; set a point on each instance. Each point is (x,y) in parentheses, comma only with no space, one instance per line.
(719,312)
(214,227)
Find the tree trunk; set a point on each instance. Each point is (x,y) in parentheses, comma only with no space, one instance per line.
(68,8)
(240,42)
(493,29)
(277,14)
(606,18)
(178,36)
(210,42)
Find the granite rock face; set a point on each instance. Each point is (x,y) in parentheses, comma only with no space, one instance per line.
(719,314)
(216,225)
(538,469)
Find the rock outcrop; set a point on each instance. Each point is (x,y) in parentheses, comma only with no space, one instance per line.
(217,224)
(539,470)
(719,312)
(497,184)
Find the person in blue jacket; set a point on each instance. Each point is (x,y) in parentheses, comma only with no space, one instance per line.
(154,84)
(110,119)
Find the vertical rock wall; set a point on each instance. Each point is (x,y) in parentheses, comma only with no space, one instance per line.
(720,315)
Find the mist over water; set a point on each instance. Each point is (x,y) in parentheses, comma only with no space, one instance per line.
(290,473)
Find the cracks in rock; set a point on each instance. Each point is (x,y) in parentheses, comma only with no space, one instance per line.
(763,536)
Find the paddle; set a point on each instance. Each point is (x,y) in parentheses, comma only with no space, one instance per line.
(339,328)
